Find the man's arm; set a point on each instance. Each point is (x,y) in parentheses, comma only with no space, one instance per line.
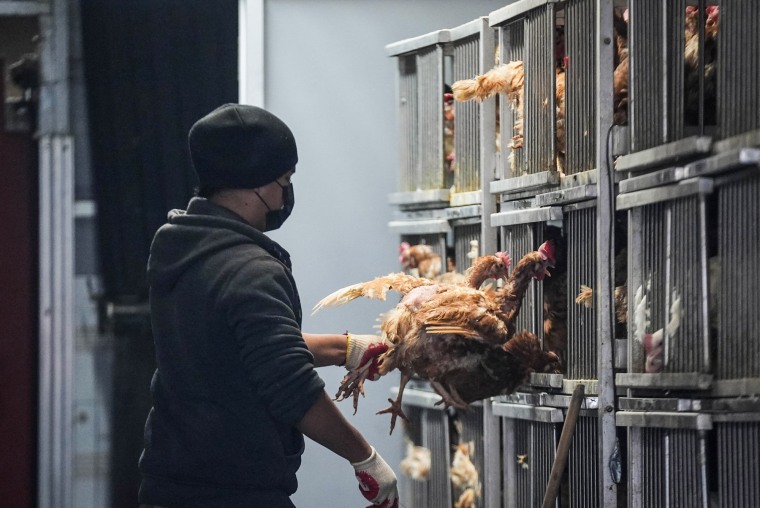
(326,425)
(328,349)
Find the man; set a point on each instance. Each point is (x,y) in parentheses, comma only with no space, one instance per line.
(235,389)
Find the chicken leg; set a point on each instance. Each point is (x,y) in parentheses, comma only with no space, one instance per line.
(395,408)
(450,397)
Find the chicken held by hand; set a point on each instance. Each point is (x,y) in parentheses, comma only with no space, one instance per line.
(415,290)
(457,337)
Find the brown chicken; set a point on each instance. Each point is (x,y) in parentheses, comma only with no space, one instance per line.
(420,257)
(555,297)
(402,317)
(457,337)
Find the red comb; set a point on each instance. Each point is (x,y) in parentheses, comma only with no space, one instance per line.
(504,257)
(547,250)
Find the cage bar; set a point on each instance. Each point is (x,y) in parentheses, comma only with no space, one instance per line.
(734,297)
(738,71)
(428,427)
(581,105)
(529,437)
(527,33)
(581,270)
(737,466)
(667,459)
(667,263)
(421,75)
(583,474)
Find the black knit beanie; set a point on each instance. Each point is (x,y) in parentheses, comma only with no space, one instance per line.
(240,146)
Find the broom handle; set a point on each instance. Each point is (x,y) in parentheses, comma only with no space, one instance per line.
(560,460)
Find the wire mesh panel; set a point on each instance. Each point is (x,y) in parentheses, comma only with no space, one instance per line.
(467,43)
(738,467)
(739,69)
(421,111)
(667,280)
(408,124)
(413,491)
(529,450)
(583,475)
(527,33)
(429,427)
(466,245)
(578,122)
(734,298)
(581,271)
(470,426)
(677,51)
(667,468)
(511,49)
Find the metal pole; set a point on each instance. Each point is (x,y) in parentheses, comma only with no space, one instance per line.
(605,220)
(563,448)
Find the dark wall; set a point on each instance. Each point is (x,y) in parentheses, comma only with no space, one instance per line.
(152,68)
(18,326)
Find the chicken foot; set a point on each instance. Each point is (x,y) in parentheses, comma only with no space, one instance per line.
(395,408)
(353,384)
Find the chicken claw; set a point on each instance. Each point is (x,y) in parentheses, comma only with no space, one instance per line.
(353,384)
(394,410)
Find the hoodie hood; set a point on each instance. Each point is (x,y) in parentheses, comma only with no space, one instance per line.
(198,233)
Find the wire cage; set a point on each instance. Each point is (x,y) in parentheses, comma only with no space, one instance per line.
(469,429)
(734,322)
(432,231)
(522,231)
(424,177)
(529,442)
(581,357)
(428,427)
(690,81)
(470,141)
(684,457)
(668,334)
(582,482)
(467,243)
(667,458)
(737,441)
(528,32)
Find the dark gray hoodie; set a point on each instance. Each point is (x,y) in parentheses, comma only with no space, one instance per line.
(234,374)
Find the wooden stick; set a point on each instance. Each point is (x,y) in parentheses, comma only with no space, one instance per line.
(563,448)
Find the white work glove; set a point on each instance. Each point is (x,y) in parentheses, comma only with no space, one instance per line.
(377,481)
(363,349)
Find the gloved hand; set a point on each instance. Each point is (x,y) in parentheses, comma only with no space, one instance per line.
(377,481)
(361,349)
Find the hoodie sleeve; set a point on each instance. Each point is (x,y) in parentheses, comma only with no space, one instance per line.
(260,305)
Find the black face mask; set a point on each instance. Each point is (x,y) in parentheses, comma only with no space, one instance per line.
(275,218)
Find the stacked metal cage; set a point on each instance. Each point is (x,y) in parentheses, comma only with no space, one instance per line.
(445,164)
(690,188)
(645,175)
